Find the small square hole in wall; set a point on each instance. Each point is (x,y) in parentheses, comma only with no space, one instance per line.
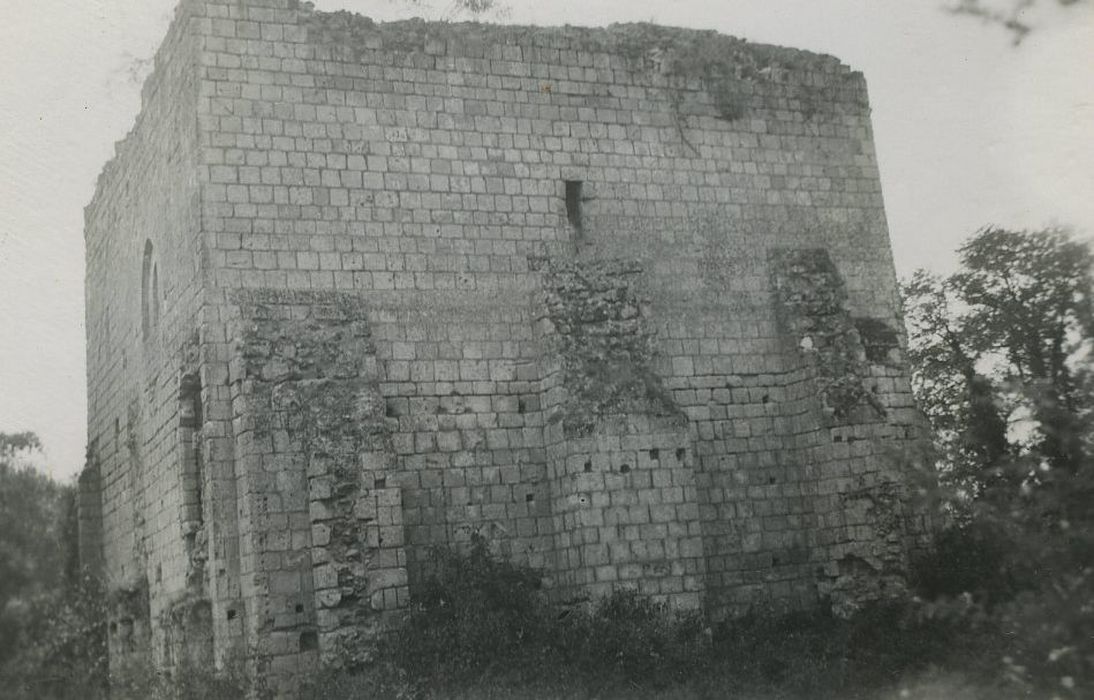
(231,614)
(625,469)
(530,498)
(681,453)
(309,641)
(380,483)
(588,465)
(299,607)
(655,454)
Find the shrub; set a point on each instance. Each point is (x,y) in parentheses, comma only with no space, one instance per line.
(474,612)
(188,682)
(976,558)
(632,637)
(62,646)
(1017,571)
(482,627)
(482,620)
(1050,636)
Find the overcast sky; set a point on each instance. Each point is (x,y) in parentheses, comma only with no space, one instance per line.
(970,130)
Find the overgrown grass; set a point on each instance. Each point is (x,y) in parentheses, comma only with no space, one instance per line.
(63,656)
(481,628)
(482,625)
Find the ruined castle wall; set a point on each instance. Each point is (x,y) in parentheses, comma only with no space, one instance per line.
(323,537)
(425,168)
(862,436)
(354,235)
(620,460)
(143,290)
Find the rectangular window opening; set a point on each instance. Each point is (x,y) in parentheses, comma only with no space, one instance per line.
(190,424)
(573,204)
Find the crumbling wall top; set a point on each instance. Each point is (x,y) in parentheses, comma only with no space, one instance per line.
(671,49)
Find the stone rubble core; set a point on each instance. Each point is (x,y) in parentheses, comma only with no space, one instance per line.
(619,300)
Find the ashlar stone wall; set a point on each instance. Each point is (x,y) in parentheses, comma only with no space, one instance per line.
(144,290)
(619,300)
(624,514)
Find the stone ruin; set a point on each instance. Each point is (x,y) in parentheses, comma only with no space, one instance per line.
(619,300)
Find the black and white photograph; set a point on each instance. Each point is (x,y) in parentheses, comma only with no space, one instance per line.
(556,349)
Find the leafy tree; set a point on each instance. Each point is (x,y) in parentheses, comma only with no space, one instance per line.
(31,555)
(1001,351)
(1029,299)
(1001,354)
(959,400)
(52,631)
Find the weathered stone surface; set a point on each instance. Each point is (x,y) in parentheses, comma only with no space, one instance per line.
(596,326)
(355,290)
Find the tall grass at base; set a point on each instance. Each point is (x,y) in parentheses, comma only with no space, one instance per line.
(482,628)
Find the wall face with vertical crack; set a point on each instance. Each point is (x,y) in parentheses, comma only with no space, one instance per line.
(598,332)
(619,458)
(853,368)
(408,280)
(325,530)
(812,306)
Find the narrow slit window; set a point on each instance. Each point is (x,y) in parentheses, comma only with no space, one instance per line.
(148,299)
(155,296)
(193,467)
(573,204)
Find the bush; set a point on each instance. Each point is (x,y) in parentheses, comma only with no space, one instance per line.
(1050,636)
(482,627)
(1017,574)
(634,639)
(473,613)
(976,559)
(188,682)
(62,646)
(482,620)
(63,656)
(478,616)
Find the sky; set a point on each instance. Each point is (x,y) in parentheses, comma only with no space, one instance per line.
(970,130)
